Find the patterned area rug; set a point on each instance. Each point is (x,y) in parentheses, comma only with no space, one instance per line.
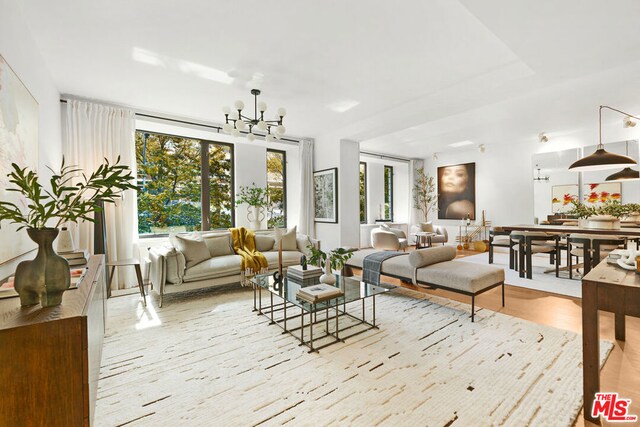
(206,359)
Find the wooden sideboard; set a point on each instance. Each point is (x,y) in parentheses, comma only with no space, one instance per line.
(50,357)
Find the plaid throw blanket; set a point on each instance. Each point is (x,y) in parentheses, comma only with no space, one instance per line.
(371,265)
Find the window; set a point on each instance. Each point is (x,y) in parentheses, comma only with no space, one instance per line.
(277,188)
(388,193)
(175,174)
(363,192)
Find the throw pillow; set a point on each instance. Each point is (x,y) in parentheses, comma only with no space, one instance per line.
(194,251)
(264,243)
(426,227)
(288,238)
(219,245)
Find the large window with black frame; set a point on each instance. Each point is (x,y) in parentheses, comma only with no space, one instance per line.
(277,188)
(363,192)
(185,184)
(388,193)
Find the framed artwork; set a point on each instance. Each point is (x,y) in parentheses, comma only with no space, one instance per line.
(562,196)
(457,191)
(325,183)
(599,194)
(18,144)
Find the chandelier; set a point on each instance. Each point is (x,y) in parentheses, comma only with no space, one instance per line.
(540,178)
(238,124)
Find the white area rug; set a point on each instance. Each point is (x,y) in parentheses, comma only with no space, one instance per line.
(541,281)
(207,360)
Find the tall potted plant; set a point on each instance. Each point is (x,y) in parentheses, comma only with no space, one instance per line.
(256,198)
(45,278)
(425,198)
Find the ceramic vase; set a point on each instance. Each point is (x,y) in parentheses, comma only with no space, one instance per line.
(255,216)
(328,277)
(45,278)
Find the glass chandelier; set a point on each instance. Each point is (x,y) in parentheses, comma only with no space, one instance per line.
(237,124)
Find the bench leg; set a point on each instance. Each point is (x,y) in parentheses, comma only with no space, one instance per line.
(490,253)
(473,307)
(503,294)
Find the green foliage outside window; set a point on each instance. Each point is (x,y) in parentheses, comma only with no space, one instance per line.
(276,185)
(169,181)
(363,192)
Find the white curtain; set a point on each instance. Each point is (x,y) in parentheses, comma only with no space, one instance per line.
(94,132)
(307,207)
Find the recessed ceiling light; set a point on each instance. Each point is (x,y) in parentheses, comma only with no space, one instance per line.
(460,144)
(343,105)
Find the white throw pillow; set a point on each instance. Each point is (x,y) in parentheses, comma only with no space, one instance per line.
(194,251)
(264,243)
(426,227)
(219,245)
(288,238)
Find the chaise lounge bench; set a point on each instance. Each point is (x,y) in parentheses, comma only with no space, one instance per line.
(437,268)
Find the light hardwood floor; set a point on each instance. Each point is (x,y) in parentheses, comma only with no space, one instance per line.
(621,372)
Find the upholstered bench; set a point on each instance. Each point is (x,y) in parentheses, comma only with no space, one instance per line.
(437,268)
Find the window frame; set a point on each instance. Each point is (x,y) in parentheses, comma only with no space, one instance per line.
(389,167)
(204,165)
(364,221)
(284,181)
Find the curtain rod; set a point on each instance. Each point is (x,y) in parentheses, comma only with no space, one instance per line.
(384,156)
(217,128)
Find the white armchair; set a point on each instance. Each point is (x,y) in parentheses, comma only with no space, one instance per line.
(388,239)
(441,232)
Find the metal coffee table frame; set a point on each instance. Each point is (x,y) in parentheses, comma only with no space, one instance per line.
(329,310)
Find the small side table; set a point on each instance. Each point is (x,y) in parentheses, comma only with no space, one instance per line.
(124,263)
(423,239)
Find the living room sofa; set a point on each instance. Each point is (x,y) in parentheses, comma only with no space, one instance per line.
(183,266)
(436,267)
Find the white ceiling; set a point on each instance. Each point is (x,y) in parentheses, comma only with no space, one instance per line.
(417,74)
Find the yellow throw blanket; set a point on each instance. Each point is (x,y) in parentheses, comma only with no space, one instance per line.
(244,244)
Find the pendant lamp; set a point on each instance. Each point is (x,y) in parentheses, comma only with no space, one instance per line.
(602,159)
(626,174)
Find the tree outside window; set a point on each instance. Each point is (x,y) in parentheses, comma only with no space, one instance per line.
(277,188)
(388,193)
(170,183)
(363,192)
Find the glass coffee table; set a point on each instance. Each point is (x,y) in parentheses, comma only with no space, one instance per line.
(289,312)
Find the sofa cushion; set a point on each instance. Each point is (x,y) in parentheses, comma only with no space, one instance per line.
(426,227)
(428,256)
(218,244)
(194,251)
(464,276)
(226,265)
(288,258)
(264,243)
(288,238)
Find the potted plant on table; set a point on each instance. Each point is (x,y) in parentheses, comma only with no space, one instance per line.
(329,261)
(256,198)
(45,278)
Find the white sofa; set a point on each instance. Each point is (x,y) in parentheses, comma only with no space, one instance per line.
(442,236)
(173,271)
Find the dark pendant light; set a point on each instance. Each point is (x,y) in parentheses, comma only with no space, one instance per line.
(626,174)
(602,159)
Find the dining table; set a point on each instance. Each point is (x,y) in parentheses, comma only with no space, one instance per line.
(571,229)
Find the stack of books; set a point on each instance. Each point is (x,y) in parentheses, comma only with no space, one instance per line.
(75,258)
(318,293)
(304,277)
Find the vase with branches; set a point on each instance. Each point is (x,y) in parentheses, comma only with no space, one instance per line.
(257,199)
(425,198)
(71,197)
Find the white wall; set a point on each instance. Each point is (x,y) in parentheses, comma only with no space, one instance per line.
(21,53)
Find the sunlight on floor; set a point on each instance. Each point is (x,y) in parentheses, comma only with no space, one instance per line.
(147,316)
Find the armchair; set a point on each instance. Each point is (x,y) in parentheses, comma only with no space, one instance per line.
(442,236)
(388,239)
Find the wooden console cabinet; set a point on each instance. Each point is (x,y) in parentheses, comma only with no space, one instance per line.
(50,357)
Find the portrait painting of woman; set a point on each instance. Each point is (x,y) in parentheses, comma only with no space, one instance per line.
(457,191)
